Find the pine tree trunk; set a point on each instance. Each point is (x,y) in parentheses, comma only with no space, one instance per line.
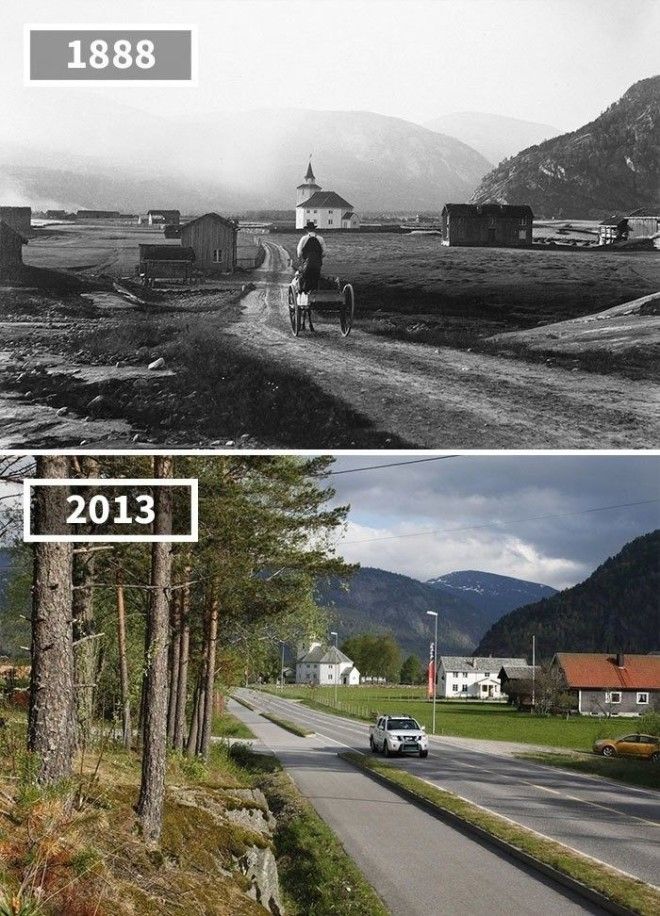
(127,728)
(175,649)
(152,786)
(184,655)
(86,646)
(209,690)
(52,713)
(193,731)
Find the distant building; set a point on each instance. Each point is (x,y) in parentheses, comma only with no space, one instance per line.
(640,224)
(11,251)
(470,676)
(326,209)
(55,214)
(322,665)
(98,214)
(213,239)
(19,218)
(500,225)
(606,684)
(160,217)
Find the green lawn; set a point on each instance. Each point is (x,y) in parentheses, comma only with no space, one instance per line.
(465,719)
(633,772)
(227,726)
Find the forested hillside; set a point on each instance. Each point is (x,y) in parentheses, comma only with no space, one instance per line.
(616,608)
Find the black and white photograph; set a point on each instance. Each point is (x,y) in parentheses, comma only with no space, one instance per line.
(365,224)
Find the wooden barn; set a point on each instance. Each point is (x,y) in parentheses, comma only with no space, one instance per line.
(500,225)
(213,239)
(11,251)
(643,224)
(19,218)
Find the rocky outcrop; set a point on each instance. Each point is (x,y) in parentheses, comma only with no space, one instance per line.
(606,167)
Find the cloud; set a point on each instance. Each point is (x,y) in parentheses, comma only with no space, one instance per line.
(522,516)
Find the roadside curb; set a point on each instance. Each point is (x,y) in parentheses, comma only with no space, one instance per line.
(465,826)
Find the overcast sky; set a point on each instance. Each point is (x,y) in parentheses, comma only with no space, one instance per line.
(503,493)
(555,61)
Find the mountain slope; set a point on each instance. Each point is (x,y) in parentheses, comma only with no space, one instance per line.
(494,136)
(607,166)
(379,601)
(616,608)
(492,595)
(232,161)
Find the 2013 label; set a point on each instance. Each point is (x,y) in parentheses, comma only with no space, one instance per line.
(99,510)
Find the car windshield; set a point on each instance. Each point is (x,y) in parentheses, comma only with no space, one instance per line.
(400,725)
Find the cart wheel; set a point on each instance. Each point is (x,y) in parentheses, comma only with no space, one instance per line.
(294,313)
(347,311)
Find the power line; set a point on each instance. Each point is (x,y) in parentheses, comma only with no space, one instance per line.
(392,464)
(513,521)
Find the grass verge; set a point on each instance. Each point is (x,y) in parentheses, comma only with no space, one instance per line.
(627,893)
(227,726)
(289,726)
(633,772)
(317,876)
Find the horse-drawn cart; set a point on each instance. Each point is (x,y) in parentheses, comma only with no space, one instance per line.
(329,297)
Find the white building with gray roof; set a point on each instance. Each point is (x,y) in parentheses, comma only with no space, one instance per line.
(471,676)
(323,665)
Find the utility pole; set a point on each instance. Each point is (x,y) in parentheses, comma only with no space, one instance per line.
(333,633)
(435,665)
(282,668)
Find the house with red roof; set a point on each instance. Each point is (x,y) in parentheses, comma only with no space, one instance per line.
(326,209)
(604,684)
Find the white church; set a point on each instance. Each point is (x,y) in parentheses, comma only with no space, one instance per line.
(321,665)
(326,209)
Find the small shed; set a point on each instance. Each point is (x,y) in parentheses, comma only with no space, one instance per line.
(613,229)
(643,224)
(11,251)
(500,225)
(19,218)
(165,262)
(213,239)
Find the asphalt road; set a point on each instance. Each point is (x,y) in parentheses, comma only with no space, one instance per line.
(418,865)
(617,824)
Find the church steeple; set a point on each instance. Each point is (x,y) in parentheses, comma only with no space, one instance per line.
(309,186)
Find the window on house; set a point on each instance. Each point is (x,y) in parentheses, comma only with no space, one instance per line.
(455,688)
(217,255)
(464,688)
(642,697)
(487,674)
(316,211)
(523,220)
(613,696)
(329,222)
(331,212)
(330,675)
(455,673)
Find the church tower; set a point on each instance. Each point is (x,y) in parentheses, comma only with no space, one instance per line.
(309,186)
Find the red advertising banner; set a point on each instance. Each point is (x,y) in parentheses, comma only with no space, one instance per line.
(431,682)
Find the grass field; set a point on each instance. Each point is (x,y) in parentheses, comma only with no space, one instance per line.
(491,721)
(413,288)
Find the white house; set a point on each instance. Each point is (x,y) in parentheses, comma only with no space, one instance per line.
(322,665)
(326,209)
(469,676)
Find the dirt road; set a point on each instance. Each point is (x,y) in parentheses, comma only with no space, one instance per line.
(448,398)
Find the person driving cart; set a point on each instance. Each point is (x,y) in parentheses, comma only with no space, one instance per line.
(310,251)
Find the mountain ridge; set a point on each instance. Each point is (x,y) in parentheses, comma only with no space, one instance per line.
(607,166)
(494,136)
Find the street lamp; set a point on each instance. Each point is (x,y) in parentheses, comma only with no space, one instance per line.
(333,633)
(435,665)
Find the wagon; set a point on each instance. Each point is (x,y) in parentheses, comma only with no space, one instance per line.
(330,296)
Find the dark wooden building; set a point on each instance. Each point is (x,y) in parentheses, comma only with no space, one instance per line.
(98,214)
(500,225)
(165,262)
(11,251)
(213,239)
(19,218)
